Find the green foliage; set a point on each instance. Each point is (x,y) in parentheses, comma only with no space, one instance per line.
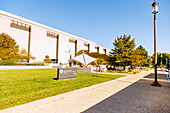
(26,85)
(123,44)
(146,69)
(9,62)
(47,58)
(146,58)
(136,57)
(9,50)
(165,57)
(25,56)
(121,53)
(6,62)
(29,64)
(134,71)
(125,54)
(144,52)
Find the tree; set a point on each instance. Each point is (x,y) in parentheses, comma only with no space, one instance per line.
(136,57)
(142,49)
(123,47)
(9,50)
(146,59)
(25,56)
(165,57)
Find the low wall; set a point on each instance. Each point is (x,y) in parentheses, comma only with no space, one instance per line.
(79,69)
(84,70)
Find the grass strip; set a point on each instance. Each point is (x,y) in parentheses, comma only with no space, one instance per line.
(21,86)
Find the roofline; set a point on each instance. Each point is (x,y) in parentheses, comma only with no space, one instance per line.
(27,21)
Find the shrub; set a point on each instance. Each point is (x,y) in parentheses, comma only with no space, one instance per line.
(131,71)
(147,69)
(30,64)
(39,63)
(47,59)
(6,62)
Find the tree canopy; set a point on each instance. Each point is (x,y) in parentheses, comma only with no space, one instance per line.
(146,59)
(165,57)
(9,50)
(123,46)
(125,54)
(25,56)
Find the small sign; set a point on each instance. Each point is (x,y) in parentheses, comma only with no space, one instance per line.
(66,73)
(61,71)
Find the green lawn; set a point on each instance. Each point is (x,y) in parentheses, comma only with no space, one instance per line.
(25,85)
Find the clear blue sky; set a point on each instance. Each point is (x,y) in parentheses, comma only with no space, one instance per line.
(100,21)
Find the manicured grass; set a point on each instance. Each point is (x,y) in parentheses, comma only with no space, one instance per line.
(25,85)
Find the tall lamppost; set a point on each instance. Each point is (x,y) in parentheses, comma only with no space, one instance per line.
(155,10)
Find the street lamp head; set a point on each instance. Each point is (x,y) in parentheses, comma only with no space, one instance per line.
(155,7)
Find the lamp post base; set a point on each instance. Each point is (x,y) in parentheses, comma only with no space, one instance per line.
(155,83)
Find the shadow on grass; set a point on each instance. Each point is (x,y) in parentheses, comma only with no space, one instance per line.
(55,79)
(98,76)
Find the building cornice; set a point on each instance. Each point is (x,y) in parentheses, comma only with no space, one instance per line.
(29,22)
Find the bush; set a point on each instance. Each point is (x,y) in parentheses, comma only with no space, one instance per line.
(6,62)
(38,63)
(47,59)
(131,71)
(9,62)
(146,69)
(30,64)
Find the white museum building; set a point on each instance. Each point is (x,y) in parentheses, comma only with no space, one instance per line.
(40,40)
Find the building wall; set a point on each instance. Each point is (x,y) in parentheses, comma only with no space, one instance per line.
(85,47)
(107,51)
(81,45)
(20,36)
(63,48)
(92,48)
(42,44)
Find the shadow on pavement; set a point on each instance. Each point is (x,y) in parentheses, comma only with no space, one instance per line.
(140,97)
(160,76)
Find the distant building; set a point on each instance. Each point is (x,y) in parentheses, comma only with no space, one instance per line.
(40,40)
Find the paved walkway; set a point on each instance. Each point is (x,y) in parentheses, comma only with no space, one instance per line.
(106,97)
(139,97)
